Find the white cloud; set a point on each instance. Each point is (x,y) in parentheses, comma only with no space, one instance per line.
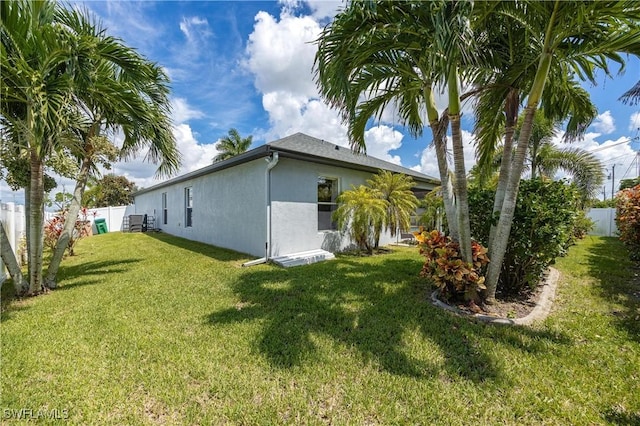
(634,121)
(181,112)
(429,164)
(382,139)
(612,152)
(321,9)
(195,28)
(290,113)
(280,53)
(604,123)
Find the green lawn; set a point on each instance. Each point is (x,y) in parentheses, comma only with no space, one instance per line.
(152,329)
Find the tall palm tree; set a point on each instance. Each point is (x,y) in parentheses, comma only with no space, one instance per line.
(546,159)
(395,189)
(578,38)
(36,91)
(383,55)
(232,144)
(123,91)
(416,45)
(56,97)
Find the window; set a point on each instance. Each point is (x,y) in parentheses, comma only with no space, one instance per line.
(165,212)
(327,194)
(188,202)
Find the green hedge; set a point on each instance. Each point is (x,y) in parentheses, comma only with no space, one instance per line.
(545,224)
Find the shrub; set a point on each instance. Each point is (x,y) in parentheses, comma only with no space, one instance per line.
(53,228)
(455,278)
(581,227)
(546,221)
(628,219)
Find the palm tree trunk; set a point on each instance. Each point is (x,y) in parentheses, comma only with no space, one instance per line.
(36,222)
(499,244)
(463,222)
(440,142)
(20,285)
(69,224)
(534,159)
(27,222)
(511,111)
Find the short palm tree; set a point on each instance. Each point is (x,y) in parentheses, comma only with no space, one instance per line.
(231,145)
(395,189)
(360,211)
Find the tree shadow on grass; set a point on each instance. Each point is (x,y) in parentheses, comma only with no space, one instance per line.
(7,296)
(217,253)
(369,307)
(91,269)
(619,280)
(66,273)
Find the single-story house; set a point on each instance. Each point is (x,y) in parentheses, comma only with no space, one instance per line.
(274,201)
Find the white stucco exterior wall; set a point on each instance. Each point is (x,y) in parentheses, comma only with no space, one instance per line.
(295,207)
(229,208)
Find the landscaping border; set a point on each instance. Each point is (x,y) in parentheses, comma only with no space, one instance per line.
(539,312)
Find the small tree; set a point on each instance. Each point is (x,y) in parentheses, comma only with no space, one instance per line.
(111,190)
(360,212)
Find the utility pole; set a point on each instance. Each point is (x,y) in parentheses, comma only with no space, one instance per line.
(613,179)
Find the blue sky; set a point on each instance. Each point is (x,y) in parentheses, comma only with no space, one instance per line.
(247,65)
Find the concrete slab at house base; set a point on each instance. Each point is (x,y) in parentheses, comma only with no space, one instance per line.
(303,258)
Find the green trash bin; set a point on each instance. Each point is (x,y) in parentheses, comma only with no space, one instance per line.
(101,226)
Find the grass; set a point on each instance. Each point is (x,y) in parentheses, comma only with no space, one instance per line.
(153,329)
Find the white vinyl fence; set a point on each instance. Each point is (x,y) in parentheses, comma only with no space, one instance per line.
(605,222)
(13,219)
(114,216)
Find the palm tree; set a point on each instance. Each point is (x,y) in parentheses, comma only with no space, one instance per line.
(231,145)
(577,38)
(123,91)
(414,46)
(56,97)
(360,211)
(385,54)
(546,159)
(395,189)
(36,91)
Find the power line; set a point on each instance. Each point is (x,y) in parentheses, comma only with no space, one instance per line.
(615,144)
(615,158)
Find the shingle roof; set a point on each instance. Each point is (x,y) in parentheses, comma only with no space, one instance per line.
(306,148)
(322,150)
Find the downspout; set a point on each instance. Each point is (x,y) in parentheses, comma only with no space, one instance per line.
(272,161)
